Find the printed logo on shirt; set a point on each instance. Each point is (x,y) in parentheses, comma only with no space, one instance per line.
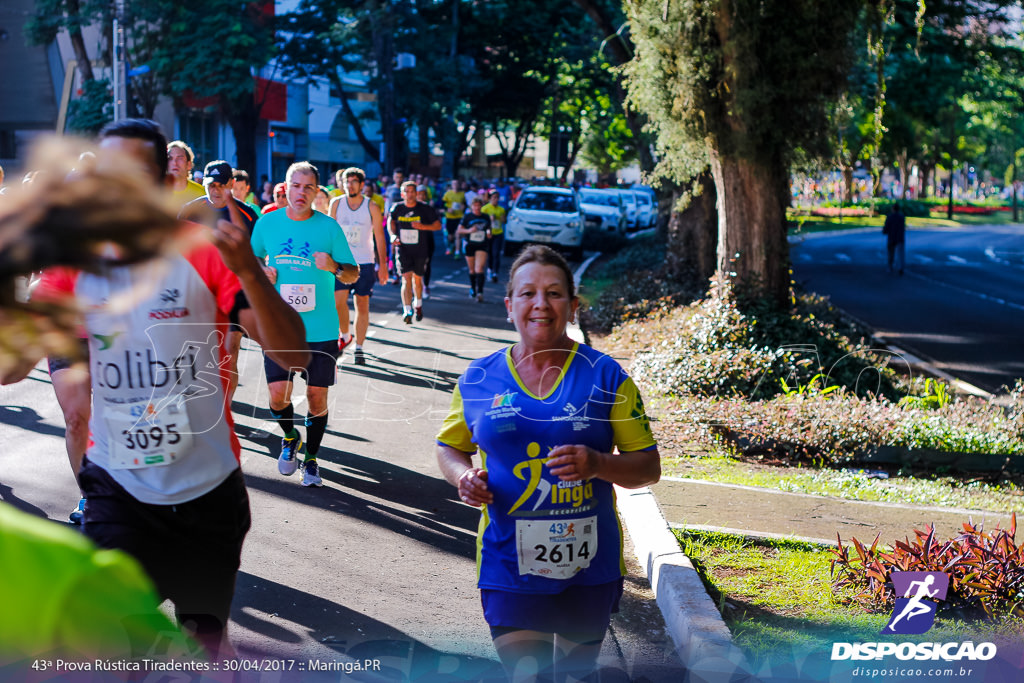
(107,340)
(293,248)
(170,296)
(565,497)
(503,400)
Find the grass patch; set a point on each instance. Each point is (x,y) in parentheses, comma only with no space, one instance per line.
(900,486)
(810,224)
(777,599)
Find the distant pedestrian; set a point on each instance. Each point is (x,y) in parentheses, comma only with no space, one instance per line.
(895,228)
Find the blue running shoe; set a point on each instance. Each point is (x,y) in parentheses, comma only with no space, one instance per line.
(77,515)
(288,461)
(311,474)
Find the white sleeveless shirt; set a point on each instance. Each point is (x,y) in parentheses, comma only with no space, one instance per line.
(358,228)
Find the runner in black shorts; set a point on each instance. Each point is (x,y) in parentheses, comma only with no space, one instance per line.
(306,253)
(476,229)
(407,224)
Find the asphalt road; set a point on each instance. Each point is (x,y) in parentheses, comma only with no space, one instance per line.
(960,303)
(379,563)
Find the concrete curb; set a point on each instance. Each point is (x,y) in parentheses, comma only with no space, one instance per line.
(703,641)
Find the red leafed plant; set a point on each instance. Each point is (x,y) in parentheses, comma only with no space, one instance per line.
(986,570)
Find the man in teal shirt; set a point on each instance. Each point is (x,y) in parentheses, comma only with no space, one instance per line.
(306,253)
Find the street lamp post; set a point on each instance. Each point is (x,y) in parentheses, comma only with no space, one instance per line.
(119,77)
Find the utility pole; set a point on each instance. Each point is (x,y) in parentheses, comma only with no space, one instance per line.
(120,76)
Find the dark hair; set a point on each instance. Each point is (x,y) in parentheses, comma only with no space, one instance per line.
(239,174)
(545,256)
(353,172)
(141,129)
(303,167)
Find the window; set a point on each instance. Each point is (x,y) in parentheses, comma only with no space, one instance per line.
(547,201)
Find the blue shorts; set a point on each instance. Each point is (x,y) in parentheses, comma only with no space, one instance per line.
(579,612)
(320,372)
(364,285)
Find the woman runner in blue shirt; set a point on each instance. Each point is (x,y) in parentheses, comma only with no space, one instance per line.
(556,424)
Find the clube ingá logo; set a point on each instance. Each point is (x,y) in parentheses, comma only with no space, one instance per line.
(914,612)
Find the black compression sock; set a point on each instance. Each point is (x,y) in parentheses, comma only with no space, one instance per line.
(315,434)
(286,418)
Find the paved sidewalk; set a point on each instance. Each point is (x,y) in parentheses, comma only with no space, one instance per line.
(760,511)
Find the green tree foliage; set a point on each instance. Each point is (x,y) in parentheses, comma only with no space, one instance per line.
(609,145)
(741,85)
(947,69)
(211,49)
(93,109)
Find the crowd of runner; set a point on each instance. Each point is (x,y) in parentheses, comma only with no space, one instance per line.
(147,398)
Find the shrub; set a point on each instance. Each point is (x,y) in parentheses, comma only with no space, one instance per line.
(725,350)
(911,207)
(837,427)
(986,570)
(604,241)
(641,286)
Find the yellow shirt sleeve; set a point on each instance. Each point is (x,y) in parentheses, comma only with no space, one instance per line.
(630,425)
(455,432)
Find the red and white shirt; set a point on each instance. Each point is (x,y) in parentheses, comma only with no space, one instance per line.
(160,423)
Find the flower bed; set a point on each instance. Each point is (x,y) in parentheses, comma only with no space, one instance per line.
(974,210)
(835,211)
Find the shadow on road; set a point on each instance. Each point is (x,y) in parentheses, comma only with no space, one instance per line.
(421,508)
(273,609)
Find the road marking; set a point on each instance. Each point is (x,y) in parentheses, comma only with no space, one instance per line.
(921,258)
(970,292)
(957,259)
(843,258)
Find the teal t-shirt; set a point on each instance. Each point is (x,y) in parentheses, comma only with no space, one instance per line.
(290,246)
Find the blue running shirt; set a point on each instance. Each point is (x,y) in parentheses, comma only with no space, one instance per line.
(541,535)
(290,245)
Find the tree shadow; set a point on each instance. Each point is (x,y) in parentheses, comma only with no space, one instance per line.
(424,509)
(353,636)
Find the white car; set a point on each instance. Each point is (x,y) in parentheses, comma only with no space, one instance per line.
(547,215)
(629,199)
(647,206)
(603,210)
(645,213)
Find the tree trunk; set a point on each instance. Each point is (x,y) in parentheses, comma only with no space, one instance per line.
(372,150)
(847,184)
(424,144)
(78,43)
(692,235)
(752,247)
(925,176)
(243,116)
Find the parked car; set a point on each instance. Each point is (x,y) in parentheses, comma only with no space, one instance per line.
(646,195)
(547,215)
(629,199)
(603,210)
(645,213)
